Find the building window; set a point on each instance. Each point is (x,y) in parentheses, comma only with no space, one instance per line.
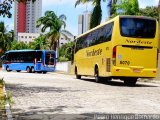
(21,36)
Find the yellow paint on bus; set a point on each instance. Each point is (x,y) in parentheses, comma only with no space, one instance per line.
(124,47)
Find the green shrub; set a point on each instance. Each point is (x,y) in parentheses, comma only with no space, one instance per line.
(5,98)
(63,59)
(1,81)
(66,51)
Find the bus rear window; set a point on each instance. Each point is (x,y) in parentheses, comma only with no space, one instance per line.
(49,59)
(137,27)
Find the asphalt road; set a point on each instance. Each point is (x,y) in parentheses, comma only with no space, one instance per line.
(44,96)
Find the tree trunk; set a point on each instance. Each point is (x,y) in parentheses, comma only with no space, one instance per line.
(57,48)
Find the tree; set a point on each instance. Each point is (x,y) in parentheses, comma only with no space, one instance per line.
(19,45)
(112,6)
(65,52)
(6,38)
(150,11)
(96,15)
(128,7)
(39,43)
(55,25)
(6,6)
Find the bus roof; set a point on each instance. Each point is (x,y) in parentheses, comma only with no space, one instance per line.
(111,20)
(28,50)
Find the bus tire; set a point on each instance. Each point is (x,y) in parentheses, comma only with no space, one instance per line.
(28,70)
(18,70)
(98,79)
(32,70)
(7,69)
(130,81)
(76,73)
(44,72)
(107,79)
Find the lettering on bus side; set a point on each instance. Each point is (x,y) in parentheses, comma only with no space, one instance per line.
(125,62)
(94,52)
(138,42)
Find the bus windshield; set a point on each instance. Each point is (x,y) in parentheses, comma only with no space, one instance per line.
(137,27)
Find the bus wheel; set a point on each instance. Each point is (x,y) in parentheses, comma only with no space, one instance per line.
(32,70)
(130,81)
(97,78)
(107,79)
(18,70)
(44,72)
(76,72)
(28,70)
(7,69)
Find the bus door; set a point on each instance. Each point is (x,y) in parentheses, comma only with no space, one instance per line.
(38,61)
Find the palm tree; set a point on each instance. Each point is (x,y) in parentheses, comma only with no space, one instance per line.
(96,15)
(55,25)
(5,38)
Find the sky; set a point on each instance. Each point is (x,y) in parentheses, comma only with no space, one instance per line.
(67,7)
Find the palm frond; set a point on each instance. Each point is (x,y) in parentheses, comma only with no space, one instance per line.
(65,36)
(66,32)
(44,28)
(78,2)
(83,1)
(63,23)
(62,17)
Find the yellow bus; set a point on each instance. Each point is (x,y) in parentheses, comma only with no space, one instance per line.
(125,48)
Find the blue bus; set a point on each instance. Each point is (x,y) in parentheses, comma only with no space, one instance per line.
(29,60)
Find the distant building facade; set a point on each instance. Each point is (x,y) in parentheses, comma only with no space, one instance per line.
(27,37)
(26,14)
(63,39)
(84,22)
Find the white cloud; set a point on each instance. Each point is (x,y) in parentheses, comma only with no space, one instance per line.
(57,2)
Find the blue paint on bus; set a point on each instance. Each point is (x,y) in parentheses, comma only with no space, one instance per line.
(29,60)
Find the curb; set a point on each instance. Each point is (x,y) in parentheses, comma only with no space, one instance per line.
(7,106)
